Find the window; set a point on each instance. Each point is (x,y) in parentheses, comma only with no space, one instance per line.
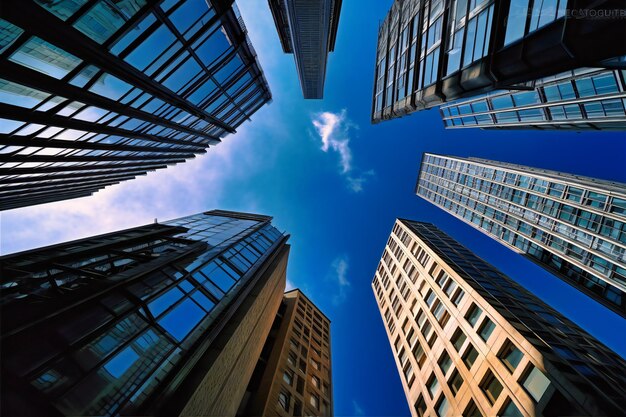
(455,382)
(472,410)
(316,381)
(419,354)
(491,387)
(315,401)
(442,407)
(510,410)
(288,377)
(444,362)
(433,385)
(535,383)
(283,400)
(458,338)
(473,314)
(470,355)
(511,356)
(486,328)
(420,406)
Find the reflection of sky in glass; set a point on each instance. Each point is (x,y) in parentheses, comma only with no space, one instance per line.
(180,321)
(121,362)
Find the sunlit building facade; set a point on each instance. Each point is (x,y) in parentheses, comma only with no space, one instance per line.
(467,340)
(308,30)
(95,92)
(571,225)
(583,99)
(164,319)
(435,51)
(293,376)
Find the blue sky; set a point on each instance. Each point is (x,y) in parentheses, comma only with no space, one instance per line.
(336,184)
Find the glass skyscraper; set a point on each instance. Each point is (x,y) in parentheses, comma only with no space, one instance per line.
(469,341)
(94,92)
(308,30)
(435,51)
(584,99)
(163,319)
(571,225)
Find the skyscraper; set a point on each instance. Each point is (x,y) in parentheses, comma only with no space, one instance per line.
(434,51)
(571,225)
(308,29)
(293,376)
(468,340)
(97,92)
(163,319)
(584,99)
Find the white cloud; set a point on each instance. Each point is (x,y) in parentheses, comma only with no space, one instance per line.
(339,277)
(289,286)
(334,131)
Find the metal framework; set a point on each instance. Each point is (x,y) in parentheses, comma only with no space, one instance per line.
(97,86)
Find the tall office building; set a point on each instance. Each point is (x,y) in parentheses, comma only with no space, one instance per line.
(468,340)
(293,376)
(163,319)
(308,29)
(583,99)
(573,226)
(435,51)
(94,92)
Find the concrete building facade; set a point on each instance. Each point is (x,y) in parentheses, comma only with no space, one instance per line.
(468,340)
(293,376)
(573,226)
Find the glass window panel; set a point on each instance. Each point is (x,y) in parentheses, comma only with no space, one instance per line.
(180,321)
(103,19)
(46,58)
(110,86)
(164,301)
(8,34)
(511,356)
(183,75)
(516,21)
(62,9)
(121,362)
(536,383)
(19,95)
(216,45)
(133,33)
(148,50)
(511,410)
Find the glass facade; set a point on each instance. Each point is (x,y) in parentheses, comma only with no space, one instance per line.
(573,226)
(435,51)
(99,326)
(95,92)
(309,39)
(501,350)
(584,99)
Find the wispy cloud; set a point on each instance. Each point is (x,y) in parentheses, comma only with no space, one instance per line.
(334,130)
(358,411)
(339,278)
(289,285)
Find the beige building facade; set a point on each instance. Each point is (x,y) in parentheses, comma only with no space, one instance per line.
(467,340)
(293,376)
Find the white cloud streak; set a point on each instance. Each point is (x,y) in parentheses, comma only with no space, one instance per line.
(339,278)
(334,131)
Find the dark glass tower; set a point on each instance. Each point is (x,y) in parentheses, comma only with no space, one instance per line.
(163,319)
(571,225)
(308,29)
(95,92)
(469,341)
(435,51)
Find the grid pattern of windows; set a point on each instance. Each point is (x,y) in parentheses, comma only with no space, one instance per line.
(447,368)
(136,301)
(573,226)
(581,99)
(434,51)
(116,89)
